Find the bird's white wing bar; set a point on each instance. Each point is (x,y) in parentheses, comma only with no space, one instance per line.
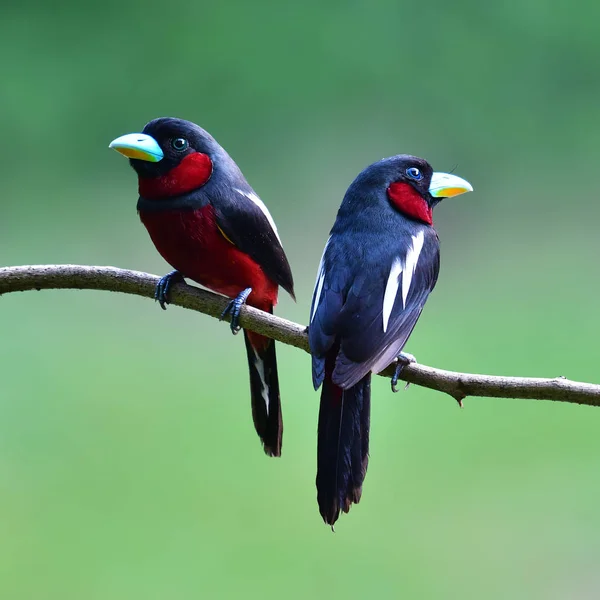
(391,289)
(319,281)
(263,207)
(412,257)
(393,282)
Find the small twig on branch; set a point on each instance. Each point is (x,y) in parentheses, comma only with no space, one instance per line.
(457,385)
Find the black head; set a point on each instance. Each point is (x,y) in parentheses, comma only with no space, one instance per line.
(406,182)
(176,139)
(173,157)
(402,167)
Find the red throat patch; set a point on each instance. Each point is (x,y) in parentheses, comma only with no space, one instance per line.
(408,201)
(191,173)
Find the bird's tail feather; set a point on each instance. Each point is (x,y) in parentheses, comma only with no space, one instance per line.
(343,446)
(264,390)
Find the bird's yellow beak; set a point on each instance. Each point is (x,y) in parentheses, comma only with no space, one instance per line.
(446,185)
(139,146)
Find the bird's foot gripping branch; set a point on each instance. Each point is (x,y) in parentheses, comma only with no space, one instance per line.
(402,361)
(163,287)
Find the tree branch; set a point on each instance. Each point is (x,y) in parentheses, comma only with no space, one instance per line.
(457,385)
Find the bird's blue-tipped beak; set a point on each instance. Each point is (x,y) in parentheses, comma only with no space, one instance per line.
(139,146)
(446,185)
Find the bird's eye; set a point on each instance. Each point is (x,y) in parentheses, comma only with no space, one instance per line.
(414,173)
(179,144)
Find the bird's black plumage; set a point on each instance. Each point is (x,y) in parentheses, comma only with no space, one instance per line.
(240,213)
(378,268)
(368,235)
(210,225)
(243,222)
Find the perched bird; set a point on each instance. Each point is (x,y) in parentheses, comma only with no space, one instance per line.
(379,265)
(210,226)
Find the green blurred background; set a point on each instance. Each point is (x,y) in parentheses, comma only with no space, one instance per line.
(129,467)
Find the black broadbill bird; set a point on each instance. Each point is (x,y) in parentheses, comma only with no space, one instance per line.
(379,265)
(211,226)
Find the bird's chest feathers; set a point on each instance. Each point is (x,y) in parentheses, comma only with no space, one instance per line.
(193,243)
(186,236)
(190,174)
(409,202)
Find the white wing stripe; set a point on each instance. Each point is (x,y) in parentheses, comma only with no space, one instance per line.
(319,282)
(393,282)
(391,289)
(318,291)
(254,198)
(412,257)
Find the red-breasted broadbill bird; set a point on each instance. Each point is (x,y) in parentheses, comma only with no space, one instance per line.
(379,265)
(211,227)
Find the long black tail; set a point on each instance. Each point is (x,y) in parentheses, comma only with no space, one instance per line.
(343,446)
(264,390)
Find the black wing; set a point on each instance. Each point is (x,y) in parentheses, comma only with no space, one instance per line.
(246,221)
(350,309)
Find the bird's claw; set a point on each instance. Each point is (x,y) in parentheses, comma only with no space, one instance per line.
(403,359)
(161,292)
(235,308)
(163,287)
